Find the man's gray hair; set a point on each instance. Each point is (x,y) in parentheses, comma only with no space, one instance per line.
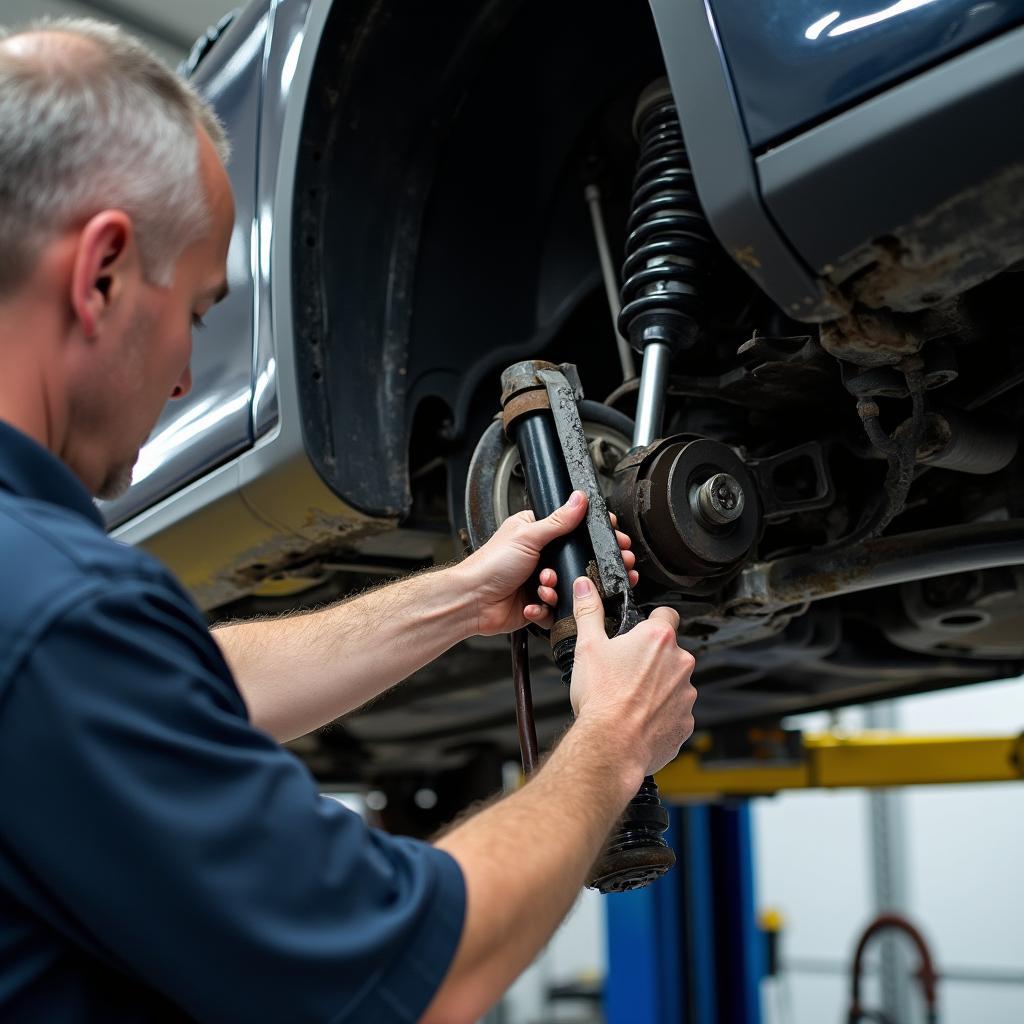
(91,119)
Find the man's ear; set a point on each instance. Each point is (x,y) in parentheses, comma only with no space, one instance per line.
(104,261)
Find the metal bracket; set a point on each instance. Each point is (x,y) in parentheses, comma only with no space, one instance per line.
(776,503)
(562,394)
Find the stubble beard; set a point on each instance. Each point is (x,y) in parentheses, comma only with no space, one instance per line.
(119,478)
(117,482)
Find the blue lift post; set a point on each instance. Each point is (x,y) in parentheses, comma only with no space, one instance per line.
(687,949)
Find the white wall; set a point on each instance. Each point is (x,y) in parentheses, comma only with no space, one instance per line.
(965,882)
(576,952)
(965,859)
(14,13)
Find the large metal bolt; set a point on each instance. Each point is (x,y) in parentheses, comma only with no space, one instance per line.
(718,501)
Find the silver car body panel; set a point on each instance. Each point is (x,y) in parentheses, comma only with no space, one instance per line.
(221,532)
(214,421)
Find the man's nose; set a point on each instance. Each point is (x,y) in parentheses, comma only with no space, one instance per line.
(184,385)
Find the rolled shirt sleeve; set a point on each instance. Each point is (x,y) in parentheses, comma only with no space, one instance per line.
(155,827)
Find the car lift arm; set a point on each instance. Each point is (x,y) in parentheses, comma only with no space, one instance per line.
(835,760)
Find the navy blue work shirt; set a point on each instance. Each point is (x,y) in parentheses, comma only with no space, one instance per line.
(160,858)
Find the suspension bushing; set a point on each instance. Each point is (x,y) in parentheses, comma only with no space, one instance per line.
(636,853)
(691,508)
(522,391)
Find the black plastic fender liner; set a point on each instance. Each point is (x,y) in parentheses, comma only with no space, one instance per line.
(439,212)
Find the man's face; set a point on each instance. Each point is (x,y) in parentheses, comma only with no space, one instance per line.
(148,357)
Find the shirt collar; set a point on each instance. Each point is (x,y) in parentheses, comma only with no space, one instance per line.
(28,469)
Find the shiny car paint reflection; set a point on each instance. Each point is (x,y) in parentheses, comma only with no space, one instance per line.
(214,421)
(793,63)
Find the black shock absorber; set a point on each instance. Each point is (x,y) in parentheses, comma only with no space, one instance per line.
(667,247)
(636,852)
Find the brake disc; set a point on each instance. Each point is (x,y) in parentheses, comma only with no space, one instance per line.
(496,487)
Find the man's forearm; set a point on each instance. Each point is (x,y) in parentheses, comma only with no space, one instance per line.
(299,672)
(524,861)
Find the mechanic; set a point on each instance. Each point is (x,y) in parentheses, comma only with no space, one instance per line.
(161,856)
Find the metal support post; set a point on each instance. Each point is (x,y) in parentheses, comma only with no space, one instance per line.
(740,946)
(889,873)
(687,949)
(644,935)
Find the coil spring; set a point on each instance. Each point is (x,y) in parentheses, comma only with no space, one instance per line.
(667,237)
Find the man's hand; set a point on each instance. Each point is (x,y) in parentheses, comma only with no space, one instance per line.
(352,651)
(636,685)
(524,858)
(495,575)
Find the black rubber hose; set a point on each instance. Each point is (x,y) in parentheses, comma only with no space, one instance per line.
(520,640)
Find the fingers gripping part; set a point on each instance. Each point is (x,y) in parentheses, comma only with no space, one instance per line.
(548,439)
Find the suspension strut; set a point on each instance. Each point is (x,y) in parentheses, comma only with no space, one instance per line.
(667,246)
(688,502)
(540,416)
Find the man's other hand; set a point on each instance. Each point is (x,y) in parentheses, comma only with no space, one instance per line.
(635,686)
(496,574)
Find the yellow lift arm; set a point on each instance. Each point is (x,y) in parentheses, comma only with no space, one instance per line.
(833,760)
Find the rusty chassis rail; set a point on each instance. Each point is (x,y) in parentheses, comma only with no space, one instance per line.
(767,587)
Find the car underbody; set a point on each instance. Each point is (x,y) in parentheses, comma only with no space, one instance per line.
(441,233)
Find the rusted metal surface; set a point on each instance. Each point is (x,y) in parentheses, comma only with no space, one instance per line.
(766,587)
(624,870)
(674,548)
(967,239)
(233,550)
(870,338)
(940,368)
(776,373)
(521,403)
(522,390)
(899,451)
(555,454)
(288,554)
(937,436)
(719,500)
(563,629)
(481,519)
(610,569)
(522,376)
(636,853)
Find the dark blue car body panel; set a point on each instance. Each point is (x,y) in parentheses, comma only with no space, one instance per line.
(794,63)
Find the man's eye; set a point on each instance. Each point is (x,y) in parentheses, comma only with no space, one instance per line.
(198,322)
